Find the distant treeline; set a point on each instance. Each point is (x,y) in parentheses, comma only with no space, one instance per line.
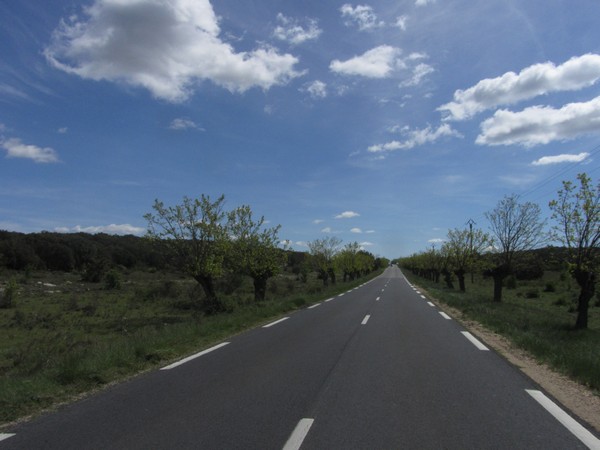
(68,252)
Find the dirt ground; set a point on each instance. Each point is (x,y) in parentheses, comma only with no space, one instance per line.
(578,399)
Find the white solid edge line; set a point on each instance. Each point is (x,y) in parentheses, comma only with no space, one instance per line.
(314,306)
(275,323)
(365,320)
(474,341)
(568,422)
(445,316)
(298,435)
(6,436)
(194,356)
(430,304)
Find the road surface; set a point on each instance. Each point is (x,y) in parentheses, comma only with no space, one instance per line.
(378,367)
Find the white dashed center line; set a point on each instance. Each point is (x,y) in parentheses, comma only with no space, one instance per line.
(298,435)
(365,320)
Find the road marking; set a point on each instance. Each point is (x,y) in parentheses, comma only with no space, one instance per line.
(5,436)
(314,306)
(474,340)
(383,290)
(445,316)
(418,292)
(365,320)
(423,297)
(568,422)
(197,355)
(275,323)
(341,294)
(298,435)
(329,299)
(377,299)
(430,304)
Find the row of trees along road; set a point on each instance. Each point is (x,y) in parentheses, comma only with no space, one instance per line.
(206,240)
(515,229)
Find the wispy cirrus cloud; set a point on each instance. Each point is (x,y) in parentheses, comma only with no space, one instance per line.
(416,138)
(181,123)
(378,62)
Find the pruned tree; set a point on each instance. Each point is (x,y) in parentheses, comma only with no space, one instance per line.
(196,232)
(322,253)
(255,250)
(577,216)
(517,227)
(348,262)
(464,247)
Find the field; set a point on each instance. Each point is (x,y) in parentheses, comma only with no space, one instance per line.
(64,337)
(538,316)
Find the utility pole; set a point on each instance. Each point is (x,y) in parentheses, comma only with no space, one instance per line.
(471,222)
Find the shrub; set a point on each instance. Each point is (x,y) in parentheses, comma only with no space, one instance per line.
(511,282)
(532,293)
(550,287)
(112,280)
(9,295)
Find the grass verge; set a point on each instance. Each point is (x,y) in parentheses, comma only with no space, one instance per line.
(63,338)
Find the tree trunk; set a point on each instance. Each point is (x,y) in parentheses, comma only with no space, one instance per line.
(331,274)
(448,279)
(587,283)
(260,288)
(211,304)
(460,274)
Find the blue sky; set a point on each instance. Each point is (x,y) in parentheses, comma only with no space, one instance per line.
(385,123)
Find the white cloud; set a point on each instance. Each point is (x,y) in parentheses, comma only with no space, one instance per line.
(316,89)
(356,230)
(541,125)
(378,62)
(420,71)
(423,2)
(292,31)
(366,244)
(362,16)
(436,241)
(301,244)
(164,46)
(108,229)
(577,73)
(326,230)
(416,138)
(347,215)
(401,22)
(558,159)
(182,124)
(63,130)
(370,231)
(318,221)
(16,149)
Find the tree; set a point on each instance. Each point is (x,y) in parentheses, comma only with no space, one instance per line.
(577,214)
(348,262)
(517,228)
(254,249)
(463,247)
(322,252)
(196,233)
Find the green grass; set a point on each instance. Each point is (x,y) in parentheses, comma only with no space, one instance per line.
(59,341)
(538,316)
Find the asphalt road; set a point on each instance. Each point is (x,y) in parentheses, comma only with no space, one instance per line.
(375,368)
